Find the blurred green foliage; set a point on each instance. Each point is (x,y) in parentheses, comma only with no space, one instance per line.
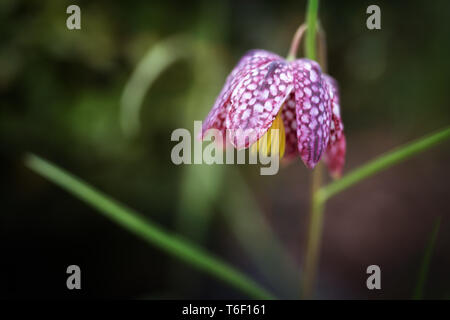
(61,92)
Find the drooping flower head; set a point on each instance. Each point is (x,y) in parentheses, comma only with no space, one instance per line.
(266,92)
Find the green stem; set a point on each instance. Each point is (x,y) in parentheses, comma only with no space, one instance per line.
(153,234)
(311,20)
(321,194)
(317,205)
(383,162)
(314,235)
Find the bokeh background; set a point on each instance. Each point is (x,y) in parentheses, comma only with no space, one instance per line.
(61,98)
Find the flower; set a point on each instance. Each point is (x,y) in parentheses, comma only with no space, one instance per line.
(265,92)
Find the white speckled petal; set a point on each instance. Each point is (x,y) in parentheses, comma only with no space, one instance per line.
(251,60)
(335,153)
(312,111)
(290,127)
(256,100)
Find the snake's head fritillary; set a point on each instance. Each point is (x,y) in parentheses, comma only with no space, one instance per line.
(265,92)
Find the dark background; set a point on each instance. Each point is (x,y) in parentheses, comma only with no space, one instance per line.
(61,94)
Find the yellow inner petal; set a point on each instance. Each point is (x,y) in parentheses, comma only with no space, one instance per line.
(273,140)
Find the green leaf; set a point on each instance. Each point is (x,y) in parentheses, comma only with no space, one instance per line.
(418,293)
(148,231)
(383,162)
(155,62)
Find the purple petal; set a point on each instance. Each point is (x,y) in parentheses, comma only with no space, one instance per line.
(256,100)
(312,111)
(217,115)
(335,153)
(290,127)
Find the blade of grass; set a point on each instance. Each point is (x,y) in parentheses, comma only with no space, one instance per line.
(383,162)
(418,292)
(148,231)
(158,58)
(201,184)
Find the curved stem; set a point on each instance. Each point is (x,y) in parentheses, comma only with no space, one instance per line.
(296,42)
